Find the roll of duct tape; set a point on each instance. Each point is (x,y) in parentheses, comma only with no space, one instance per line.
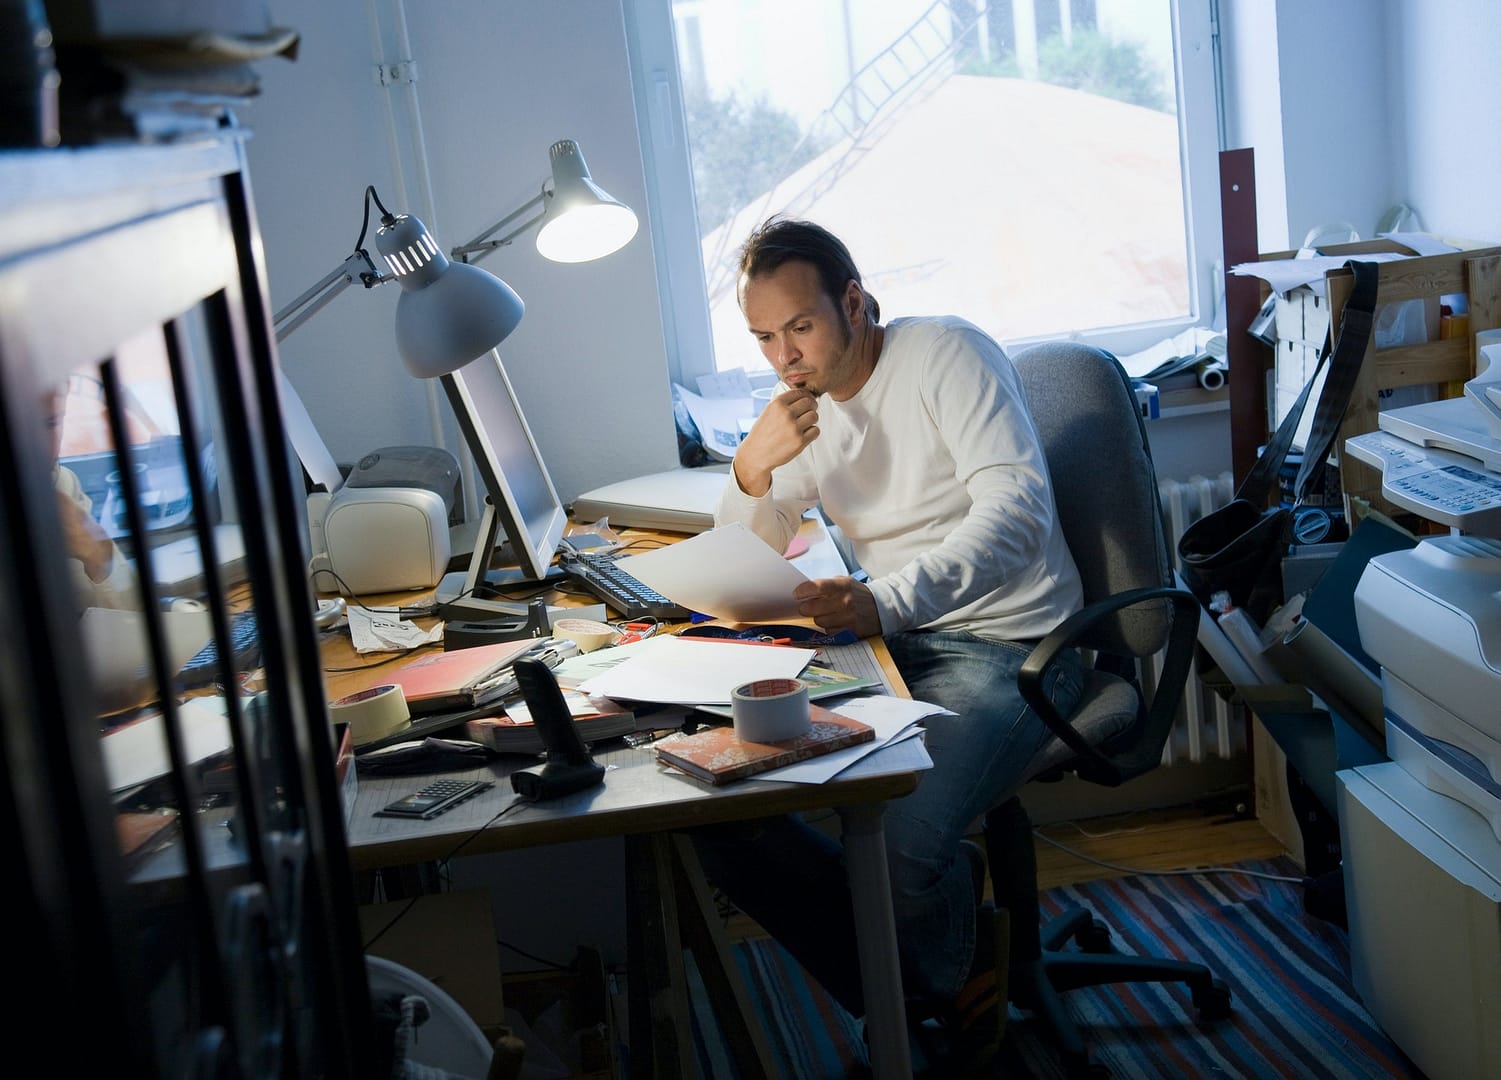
(587,634)
(771,710)
(372,714)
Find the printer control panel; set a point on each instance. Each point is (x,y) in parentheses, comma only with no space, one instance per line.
(1440,485)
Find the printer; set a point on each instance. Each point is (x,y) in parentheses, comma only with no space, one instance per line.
(1431,617)
(386,528)
(1421,833)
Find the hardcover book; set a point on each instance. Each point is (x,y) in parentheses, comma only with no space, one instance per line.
(513,731)
(717,756)
(458,679)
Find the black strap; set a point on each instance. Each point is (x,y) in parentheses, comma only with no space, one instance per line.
(1344,366)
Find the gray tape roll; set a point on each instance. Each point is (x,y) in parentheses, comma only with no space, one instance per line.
(771,710)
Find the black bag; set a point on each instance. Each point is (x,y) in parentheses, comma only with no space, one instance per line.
(1238,549)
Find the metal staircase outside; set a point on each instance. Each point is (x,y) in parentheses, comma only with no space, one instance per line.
(913,65)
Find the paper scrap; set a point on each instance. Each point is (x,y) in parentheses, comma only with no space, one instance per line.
(373,632)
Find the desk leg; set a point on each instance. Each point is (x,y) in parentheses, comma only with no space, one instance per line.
(656,986)
(875,928)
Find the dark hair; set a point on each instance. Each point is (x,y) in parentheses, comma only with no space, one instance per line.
(783,240)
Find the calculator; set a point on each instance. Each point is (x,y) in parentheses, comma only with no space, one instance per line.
(433,799)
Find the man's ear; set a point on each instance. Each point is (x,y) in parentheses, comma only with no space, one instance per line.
(854,302)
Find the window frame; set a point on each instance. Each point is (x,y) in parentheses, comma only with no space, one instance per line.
(657,88)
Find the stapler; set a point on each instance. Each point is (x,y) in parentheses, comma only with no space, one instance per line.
(466,635)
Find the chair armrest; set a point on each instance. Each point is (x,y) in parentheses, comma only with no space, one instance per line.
(1182,637)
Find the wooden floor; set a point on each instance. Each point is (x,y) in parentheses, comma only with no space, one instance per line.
(1176,838)
(1173,839)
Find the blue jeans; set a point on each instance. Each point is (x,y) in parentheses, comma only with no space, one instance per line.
(789,875)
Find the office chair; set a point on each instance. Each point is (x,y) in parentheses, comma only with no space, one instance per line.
(1106,491)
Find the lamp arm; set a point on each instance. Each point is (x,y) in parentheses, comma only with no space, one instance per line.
(484,245)
(356,266)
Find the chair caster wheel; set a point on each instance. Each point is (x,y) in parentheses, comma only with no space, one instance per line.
(1086,1070)
(1213,1002)
(1094,938)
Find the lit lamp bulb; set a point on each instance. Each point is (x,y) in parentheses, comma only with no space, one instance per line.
(583,221)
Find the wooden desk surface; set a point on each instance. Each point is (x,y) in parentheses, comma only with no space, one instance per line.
(638,795)
(346,672)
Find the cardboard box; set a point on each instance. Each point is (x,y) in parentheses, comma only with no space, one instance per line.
(448,938)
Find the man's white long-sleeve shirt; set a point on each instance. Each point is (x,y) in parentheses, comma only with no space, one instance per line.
(934,473)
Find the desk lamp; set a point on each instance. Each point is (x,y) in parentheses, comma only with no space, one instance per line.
(450,311)
(579,220)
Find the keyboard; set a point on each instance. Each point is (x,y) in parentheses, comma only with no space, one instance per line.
(602,576)
(245,649)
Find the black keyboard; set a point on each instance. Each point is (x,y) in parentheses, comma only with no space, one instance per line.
(245,649)
(602,576)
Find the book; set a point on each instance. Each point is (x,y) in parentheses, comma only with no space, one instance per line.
(513,732)
(459,679)
(822,682)
(717,756)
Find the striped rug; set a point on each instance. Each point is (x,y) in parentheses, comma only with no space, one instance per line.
(1294,1013)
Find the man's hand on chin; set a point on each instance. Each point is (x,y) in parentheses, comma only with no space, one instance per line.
(839,603)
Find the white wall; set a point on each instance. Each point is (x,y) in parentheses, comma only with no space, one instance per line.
(498,84)
(1444,67)
(1354,106)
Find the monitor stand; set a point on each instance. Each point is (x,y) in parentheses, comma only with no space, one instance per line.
(470,595)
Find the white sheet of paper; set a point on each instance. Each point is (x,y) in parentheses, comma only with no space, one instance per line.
(312,451)
(1422,243)
(687,671)
(717,419)
(115,642)
(728,572)
(137,752)
(827,766)
(1283,275)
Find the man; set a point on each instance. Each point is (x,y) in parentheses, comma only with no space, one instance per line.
(102,576)
(915,439)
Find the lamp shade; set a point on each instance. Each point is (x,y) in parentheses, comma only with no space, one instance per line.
(448,313)
(583,221)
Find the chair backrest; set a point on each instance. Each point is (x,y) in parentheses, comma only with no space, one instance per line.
(1106,491)
(1104,484)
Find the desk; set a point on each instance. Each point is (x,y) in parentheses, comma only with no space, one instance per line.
(647,805)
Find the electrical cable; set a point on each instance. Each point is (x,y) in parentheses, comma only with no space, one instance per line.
(443,864)
(1165,873)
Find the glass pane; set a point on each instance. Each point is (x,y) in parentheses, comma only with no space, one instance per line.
(1016,163)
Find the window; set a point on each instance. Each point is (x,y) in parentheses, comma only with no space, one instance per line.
(1043,168)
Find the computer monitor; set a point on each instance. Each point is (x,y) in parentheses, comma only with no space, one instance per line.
(162,461)
(521,506)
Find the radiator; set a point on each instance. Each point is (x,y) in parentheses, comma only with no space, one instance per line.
(1208,725)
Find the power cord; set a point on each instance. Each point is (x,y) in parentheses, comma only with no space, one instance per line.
(1136,870)
(443,864)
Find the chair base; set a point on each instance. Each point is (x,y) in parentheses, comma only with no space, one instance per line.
(1041,971)
(1038,986)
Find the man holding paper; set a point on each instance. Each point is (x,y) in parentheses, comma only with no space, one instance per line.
(914,438)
